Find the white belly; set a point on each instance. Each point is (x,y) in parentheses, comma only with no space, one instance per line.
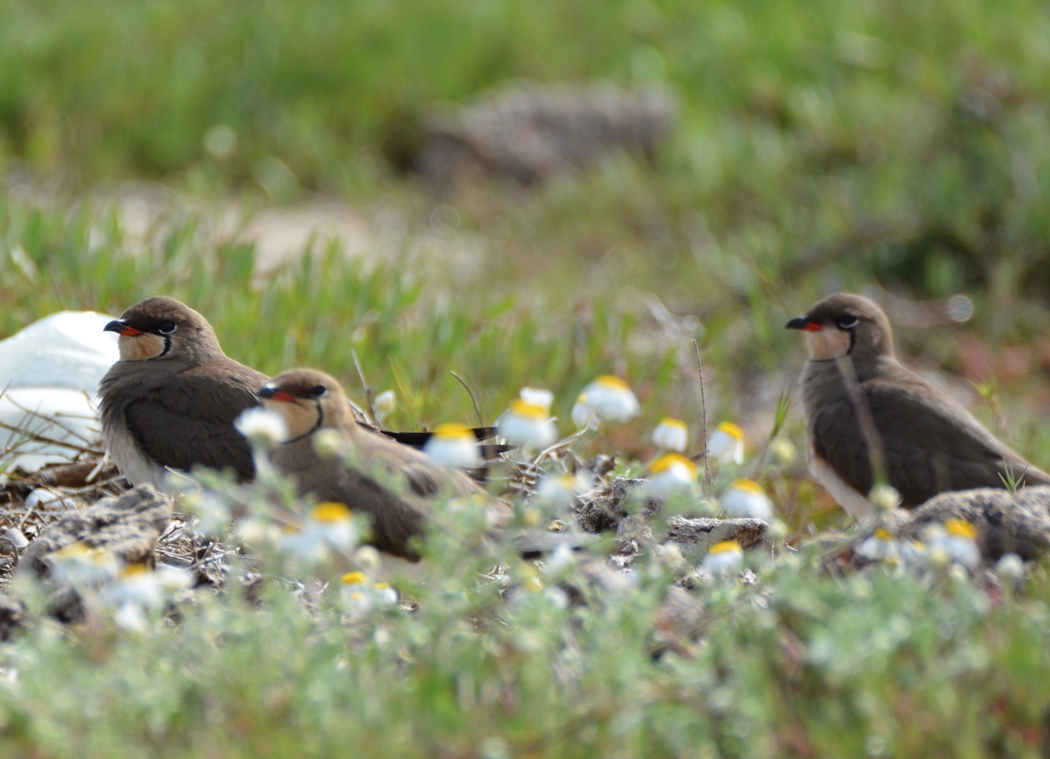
(136,468)
(856,505)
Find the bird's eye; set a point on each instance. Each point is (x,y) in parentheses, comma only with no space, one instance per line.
(166,328)
(318,391)
(846,322)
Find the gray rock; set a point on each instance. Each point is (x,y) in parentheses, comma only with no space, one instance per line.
(608,510)
(530,133)
(12,616)
(1006,522)
(128,526)
(705,532)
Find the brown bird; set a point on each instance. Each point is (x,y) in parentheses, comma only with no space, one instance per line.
(171,399)
(311,401)
(854,391)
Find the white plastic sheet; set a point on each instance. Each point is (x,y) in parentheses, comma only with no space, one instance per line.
(49,375)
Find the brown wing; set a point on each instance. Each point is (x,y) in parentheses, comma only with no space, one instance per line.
(408,470)
(930,444)
(188,420)
(395,517)
(386,480)
(419,439)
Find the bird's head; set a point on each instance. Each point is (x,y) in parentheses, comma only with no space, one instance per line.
(308,400)
(845,325)
(162,328)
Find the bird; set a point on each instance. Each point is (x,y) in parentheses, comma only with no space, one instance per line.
(854,391)
(171,399)
(311,401)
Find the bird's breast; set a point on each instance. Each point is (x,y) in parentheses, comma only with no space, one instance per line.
(123,449)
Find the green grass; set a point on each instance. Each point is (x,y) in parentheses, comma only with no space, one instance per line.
(819,147)
(911,138)
(804,665)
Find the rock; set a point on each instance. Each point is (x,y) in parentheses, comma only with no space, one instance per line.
(12,616)
(636,528)
(1006,522)
(608,510)
(127,526)
(530,133)
(703,533)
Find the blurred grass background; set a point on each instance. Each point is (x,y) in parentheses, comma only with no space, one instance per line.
(818,147)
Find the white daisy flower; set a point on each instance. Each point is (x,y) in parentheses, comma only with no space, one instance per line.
(527,425)
(383,404)
(746,498)
(881,546)
(367,557)
(453,445)
(726,557)
(359,595)
(130,617)
(781,451)
(914,553)
(778,530)
(1010,567)
(670,474)
(583,413)
(257,533)
(264,429)
(958,539)
(557,490)
(612,399)
(884,497)
(560,561)
(328,526)
(671,434)
(727,443)
(137,585)
(328,443)
(537,397)
(212,510)
(80,566)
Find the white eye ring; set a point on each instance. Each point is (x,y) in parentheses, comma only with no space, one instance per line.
(847,322)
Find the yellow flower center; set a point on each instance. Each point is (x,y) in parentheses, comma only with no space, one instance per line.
(883,534)
(83,552)
(330,511)
(354,578)
(528,410)
(453,431)
(131,570)
(960,528)
(609,381)
(748,486)
(673,423)
(669,460)
(731,429)
(726,546)
(381,585)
